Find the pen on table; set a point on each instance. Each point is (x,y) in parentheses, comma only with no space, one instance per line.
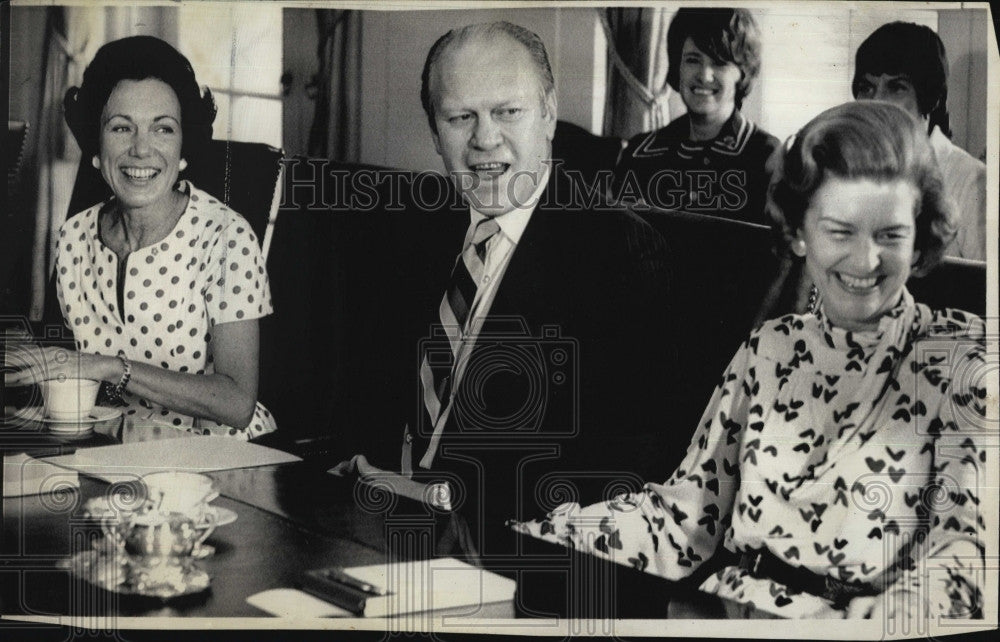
(341,577)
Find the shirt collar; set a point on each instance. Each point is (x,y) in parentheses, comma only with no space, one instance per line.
(731,137)
(732,132)
(512,223)
(939,142)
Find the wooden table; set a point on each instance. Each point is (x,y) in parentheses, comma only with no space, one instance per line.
(291,518)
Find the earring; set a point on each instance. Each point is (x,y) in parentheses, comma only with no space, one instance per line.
(813,306)
(96,162)
(799,247)
(182,165)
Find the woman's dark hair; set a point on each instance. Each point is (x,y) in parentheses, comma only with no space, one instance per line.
(727,35)
(139,58)
(867,139)
(915,51)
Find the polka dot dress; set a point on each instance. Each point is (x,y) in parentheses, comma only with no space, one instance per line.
(208,270)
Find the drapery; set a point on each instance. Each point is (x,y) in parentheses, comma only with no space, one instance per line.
(638,97)
(335,131)
(62,65)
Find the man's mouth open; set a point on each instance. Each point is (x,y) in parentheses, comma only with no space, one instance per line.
(492,169)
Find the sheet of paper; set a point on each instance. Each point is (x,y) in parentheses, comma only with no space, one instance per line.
(430,585)
(293,603)
(206,453)
(24,475)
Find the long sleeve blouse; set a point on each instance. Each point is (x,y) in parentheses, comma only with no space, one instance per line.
(856,455)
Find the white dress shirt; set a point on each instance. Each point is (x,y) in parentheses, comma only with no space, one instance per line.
(965,182)
(499,250)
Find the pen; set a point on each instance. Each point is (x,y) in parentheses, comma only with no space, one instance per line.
(337,575)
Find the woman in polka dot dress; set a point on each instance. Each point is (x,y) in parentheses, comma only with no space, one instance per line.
(844,465)
(162,274)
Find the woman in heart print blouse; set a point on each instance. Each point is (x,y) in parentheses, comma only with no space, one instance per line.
(837,435)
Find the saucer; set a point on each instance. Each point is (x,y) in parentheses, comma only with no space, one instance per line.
(223,516)
(37,413)
(164,578)
(99,508)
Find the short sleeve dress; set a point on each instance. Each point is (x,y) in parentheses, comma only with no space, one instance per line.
(861,456)
(207,271)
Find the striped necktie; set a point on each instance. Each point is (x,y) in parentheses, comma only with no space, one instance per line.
(436,378)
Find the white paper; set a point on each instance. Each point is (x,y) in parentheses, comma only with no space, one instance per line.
(293,603)
(431,585)
(24,475)
(203,453)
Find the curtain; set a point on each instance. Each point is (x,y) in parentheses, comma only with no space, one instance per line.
(62,65)
(335,132)
(638,94)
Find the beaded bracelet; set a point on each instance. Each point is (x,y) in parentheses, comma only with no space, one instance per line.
(116,391)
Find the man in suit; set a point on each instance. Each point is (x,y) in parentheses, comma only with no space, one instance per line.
(544,373)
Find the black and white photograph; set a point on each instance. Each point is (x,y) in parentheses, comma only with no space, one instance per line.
(553,319)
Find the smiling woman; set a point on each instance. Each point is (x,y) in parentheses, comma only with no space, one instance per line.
(162,285)
(711,159)
(812,485)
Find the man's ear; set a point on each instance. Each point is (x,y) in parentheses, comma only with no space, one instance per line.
(550,115)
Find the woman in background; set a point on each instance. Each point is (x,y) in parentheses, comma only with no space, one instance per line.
(840,435)
(162,285)
(905,64)
(712,159)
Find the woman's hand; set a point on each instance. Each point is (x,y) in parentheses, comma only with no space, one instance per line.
(33,364)
(861,608)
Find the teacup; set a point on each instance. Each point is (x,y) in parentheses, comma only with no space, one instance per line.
(69,399)
(156,534)
(181,492)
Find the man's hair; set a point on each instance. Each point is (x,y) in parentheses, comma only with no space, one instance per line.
(530,40)
(139,58)
(871,140)
(905,48)
(727,35)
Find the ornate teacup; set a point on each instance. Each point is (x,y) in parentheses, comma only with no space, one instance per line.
(181,492)
(158,534)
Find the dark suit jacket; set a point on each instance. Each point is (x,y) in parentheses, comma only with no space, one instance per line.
(565,393)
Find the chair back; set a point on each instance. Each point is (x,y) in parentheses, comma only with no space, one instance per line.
(17,135)
(580,151)
(244,176)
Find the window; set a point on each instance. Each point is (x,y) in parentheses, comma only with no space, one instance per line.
(235,49)
(809,60)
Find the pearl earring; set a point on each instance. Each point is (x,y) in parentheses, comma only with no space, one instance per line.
(799,247)
(96,162)
(182,165)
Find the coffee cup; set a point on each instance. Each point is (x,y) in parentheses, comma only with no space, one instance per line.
(177,491)
(69,399)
